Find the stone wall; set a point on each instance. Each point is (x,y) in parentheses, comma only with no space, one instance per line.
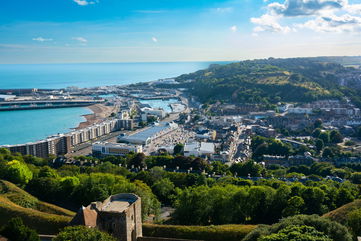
(162,239)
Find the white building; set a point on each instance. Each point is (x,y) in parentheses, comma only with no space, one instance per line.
(115,149)
(7,97)
(199,149)
(299,110)
(153,111)
(147,135)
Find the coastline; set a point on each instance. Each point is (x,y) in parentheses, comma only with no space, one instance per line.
(100,112)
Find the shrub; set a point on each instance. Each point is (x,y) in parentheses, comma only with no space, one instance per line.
(206,233)
(333,230)
(82,233)
(15,230)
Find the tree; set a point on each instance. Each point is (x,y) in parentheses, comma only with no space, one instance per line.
(318,123)
(358,133)
(164,189)
(319,145)
(299,233)
(15,230)
(335,231)
(178,149)
(17,172)
(356,177)
(328,153)
(325,137)
(354,222)
(138,160)
(336,137)
(82,233)
(244,168)
(316,133)
(294,206)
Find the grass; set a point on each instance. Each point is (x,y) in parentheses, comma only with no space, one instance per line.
(230,232)
(41,216)
(340,214)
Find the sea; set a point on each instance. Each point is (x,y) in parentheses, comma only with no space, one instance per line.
(22,126)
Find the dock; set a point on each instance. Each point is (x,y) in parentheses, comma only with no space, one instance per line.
(45,104)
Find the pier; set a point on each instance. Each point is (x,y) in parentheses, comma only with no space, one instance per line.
(45,104)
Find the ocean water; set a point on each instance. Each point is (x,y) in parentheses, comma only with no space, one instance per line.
(17,76)
(23,126)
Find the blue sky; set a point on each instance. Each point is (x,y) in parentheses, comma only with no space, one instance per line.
(67,31)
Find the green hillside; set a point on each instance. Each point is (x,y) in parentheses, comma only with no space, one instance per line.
(340,214)
(267,81)
(44,217)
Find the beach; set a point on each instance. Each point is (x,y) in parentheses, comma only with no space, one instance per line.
(100,112)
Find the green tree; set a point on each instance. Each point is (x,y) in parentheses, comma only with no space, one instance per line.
(328,153)
(319,145)
(325,137)
(178,149)
(316,133)
(249,167)
(138,160)
(334,230)
(17,172)
(164,189)
(299,233)
(358,132)
(317,123)
(354,222)
(336,137)
(15,230)
(82,233)
(294,206)
(356,177)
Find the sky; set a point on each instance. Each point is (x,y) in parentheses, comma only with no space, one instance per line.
(94,31)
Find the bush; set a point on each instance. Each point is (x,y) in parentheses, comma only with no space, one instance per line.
(15,230)
(206,233)
(333,230)
(82,233)
(354,222)
(301,233)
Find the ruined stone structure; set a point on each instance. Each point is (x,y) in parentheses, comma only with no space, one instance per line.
(119,215)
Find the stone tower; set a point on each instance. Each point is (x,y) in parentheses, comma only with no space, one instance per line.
(119,215)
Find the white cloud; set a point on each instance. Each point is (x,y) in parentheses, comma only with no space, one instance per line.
(84,2)
(318,15)
(41,39)
(80,39)
(269,23)
(293,8)
(154,39)
(233,28)
(333,23)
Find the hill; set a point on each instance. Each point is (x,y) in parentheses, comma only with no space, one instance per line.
(340,214)
(44,217)
(268,81)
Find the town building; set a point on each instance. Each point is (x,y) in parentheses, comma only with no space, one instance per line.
(114,149)
(150,134)
(199,149)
